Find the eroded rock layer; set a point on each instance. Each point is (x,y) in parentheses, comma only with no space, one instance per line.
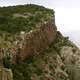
(39,39)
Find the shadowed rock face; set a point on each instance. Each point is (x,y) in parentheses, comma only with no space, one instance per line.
(39,39)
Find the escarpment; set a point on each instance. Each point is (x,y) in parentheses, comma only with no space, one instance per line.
(39,39)
(25,30)
(28,30)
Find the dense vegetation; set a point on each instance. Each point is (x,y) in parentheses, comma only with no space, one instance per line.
(22,18)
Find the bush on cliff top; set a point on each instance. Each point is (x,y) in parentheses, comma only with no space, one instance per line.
(22,18)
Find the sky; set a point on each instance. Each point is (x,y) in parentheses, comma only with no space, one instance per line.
(67,14)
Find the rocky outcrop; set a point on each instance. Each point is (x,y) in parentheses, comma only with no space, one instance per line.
(38,39)
(71,60)
(5,74)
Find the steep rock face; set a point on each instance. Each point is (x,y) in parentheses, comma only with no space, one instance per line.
(39,39)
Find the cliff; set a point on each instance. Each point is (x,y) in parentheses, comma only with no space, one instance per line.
(32,48)
(39,39)
(23,29)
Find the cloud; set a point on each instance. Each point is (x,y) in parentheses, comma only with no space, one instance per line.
(67,19)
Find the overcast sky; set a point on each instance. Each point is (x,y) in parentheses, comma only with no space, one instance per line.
(67,13)
(49,3)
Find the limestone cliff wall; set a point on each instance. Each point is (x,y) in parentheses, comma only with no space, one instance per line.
(38,39)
